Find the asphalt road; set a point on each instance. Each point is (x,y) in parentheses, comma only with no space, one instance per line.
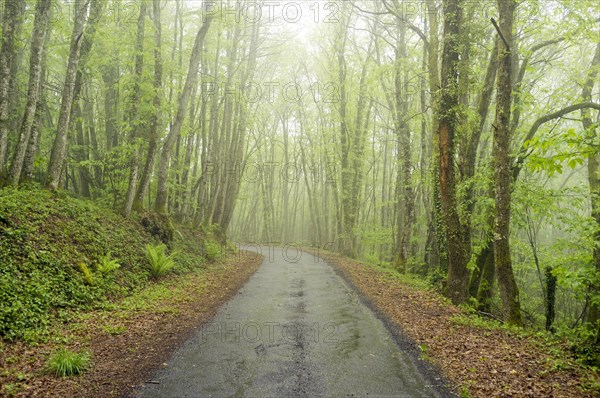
(295,329)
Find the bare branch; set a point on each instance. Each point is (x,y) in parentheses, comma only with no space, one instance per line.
(500,33)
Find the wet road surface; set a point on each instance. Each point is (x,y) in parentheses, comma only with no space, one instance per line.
(295,329)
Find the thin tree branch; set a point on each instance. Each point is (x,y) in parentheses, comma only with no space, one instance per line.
(500,33)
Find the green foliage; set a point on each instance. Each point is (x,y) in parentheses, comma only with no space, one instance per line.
(47,241)
(213,250)
(438,280)
(582,343)
(554,151)
(159,261)
(68,363)
(107,264)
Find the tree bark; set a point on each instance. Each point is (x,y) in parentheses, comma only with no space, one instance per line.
(509,292)
(593,171)
(449,120)
(12,20)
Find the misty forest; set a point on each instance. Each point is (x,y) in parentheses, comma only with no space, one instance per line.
(442,155)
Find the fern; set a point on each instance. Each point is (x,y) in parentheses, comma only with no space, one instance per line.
(88,277)
(160,263)
(107,265)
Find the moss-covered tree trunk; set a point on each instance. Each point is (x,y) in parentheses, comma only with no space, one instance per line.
(11,23)
(448,122)
(509,292)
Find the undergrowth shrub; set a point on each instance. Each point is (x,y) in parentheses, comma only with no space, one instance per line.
(212,250)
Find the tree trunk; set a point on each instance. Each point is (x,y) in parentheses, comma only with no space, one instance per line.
(133,121)
(485,289)
(110,78)
(138,204)
(449,120)
(404,154)
(509,292)
(593,169)
(436,249)
(88,114)
(160,203)
(80,152)
(32,145)
(59,148)
(12,20)
(40,29)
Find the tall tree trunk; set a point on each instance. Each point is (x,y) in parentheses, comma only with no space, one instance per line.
(593,169)
(59,148)
(155,118)
(509,292)
(436,251)
(110,77)
(406,217)
(160,203)
(40,29)
(80,151)
(88,114)
(449,120)
(32,146)
(12,20)
(133,116)
(345,220)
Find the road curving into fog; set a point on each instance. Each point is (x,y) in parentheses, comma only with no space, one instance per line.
(295,329)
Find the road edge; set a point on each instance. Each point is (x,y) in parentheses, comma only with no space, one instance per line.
(442,387)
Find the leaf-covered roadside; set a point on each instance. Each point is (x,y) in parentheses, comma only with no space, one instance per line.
(481,361)
(130,340)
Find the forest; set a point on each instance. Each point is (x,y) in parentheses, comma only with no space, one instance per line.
(455,141)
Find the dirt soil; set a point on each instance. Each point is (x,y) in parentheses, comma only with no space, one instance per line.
(480,362)
(124,356)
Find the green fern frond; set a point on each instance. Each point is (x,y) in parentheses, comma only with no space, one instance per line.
(159,261)
(108,264)
(88,277)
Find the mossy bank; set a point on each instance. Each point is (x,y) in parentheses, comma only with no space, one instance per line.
(59,254)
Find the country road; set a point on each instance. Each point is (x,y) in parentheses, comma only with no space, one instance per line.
(295,329)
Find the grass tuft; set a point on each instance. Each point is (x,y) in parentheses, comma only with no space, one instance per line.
(68,363)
